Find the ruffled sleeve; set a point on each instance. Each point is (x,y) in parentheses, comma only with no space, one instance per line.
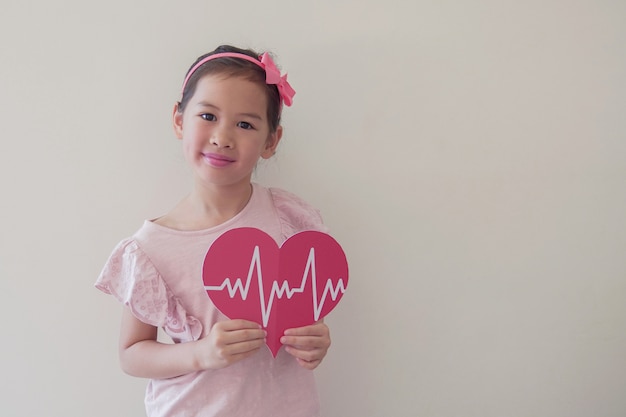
(295,214)
(132,279)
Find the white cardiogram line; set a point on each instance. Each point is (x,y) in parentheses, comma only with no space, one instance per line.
(278,291)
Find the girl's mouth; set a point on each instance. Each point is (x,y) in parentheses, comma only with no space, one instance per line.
(217,160)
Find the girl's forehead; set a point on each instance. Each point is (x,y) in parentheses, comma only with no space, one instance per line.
(226,82)
(216,87)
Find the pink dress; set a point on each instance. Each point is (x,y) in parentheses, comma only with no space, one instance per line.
(157,274)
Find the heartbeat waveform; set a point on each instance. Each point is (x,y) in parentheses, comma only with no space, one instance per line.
(280,290)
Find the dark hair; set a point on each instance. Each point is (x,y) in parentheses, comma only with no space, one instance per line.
(234,67)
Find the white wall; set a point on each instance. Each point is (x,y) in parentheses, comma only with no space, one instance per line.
(470,156)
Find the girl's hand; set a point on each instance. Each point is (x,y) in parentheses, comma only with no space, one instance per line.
(307,344)
(228,342)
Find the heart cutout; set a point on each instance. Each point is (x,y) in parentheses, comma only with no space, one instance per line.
(248,276)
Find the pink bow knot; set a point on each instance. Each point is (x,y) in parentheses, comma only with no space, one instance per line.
(272,76)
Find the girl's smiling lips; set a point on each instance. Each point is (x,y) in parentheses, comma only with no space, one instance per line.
(217,160)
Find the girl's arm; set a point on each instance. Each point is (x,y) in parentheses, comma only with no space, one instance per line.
(142,355)
(308,344)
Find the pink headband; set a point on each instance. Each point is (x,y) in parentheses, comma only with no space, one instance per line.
(272,74)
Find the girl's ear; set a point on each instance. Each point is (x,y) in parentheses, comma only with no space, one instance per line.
(177,119)
(272,143)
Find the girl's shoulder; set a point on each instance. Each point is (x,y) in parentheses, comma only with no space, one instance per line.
(127,267)
(295,213)
(130,277)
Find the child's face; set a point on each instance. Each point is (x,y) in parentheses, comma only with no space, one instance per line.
(224,130)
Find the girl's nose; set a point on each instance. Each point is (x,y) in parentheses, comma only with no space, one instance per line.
(222,138)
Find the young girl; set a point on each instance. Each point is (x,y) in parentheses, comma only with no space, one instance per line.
(228,118)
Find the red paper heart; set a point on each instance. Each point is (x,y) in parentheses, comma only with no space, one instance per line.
(247,276)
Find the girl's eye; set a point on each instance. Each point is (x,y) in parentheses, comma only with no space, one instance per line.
(245,125)
(208,116)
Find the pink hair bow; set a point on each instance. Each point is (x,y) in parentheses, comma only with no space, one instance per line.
(272,76)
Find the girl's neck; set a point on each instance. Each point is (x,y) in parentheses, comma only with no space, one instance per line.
(206,207)
(222,202)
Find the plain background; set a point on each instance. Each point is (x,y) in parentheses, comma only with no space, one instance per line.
(469,155)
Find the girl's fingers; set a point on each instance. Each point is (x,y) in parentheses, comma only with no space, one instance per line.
(230,341)
(307,337)
(230,325)
(240,348)
(305,342)
(317,329)
(308,359)
(237,331)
